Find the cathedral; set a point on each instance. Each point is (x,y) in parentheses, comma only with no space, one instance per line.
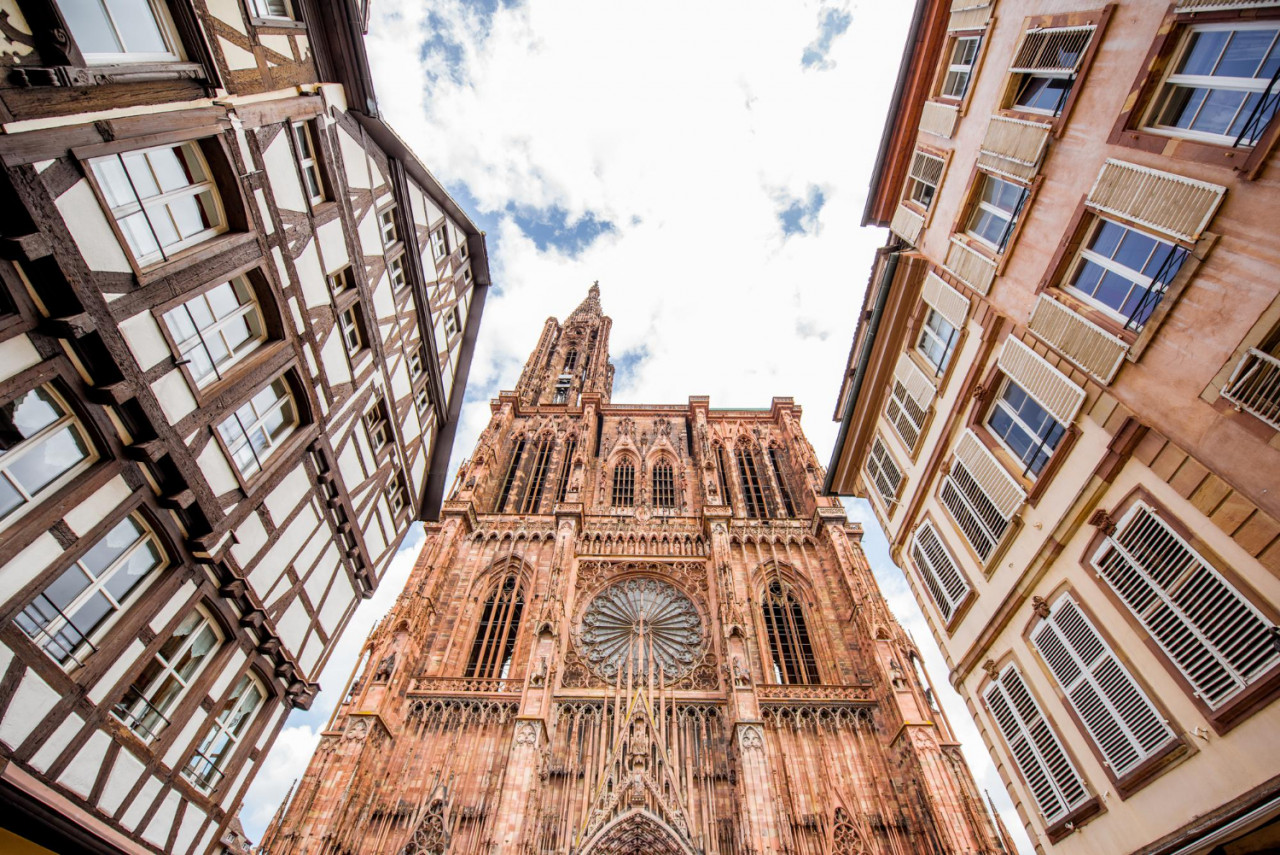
(636,629)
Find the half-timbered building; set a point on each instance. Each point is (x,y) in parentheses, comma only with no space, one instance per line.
(236,320)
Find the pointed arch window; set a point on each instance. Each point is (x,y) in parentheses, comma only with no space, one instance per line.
(571,360)
(787,505)
(494,646)
(790,650)
(624,484)
(752,491)
(538,480)
(566,468)
(722,466)
(510,478)
(664,485)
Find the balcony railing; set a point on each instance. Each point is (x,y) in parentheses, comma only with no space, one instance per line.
(455,685)
(1255,386)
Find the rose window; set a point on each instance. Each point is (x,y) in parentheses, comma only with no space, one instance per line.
(645,624)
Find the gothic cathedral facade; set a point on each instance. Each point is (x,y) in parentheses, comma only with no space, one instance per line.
(636,629)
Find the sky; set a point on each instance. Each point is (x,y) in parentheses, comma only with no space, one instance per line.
(708,163)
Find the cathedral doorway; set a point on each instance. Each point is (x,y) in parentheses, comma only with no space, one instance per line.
(637,832)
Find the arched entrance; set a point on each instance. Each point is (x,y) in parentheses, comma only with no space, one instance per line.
(637,832)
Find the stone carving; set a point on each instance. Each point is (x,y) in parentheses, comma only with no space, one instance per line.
(385,667)
(845,839)
(527,733)
(641,623)
(740,676)
(539,677)
(431,837)
(750,737)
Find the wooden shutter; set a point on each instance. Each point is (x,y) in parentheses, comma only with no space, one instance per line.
(1051,389)
(1121,719)
(907,224)
(1218,5)
(1054,782)
(980,495)
(1217,638)
(972,268)
(1170,204)
(947,301)
(884,471)
(1013,148)
(946,584)
(1041,51)
(970,14)
(909,399)
(1087,345)
(927,168)
(939,119)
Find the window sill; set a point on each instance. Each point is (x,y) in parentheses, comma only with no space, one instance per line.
(1247,161)
(277,23)
(1073,821)
(268,352)
(225,242)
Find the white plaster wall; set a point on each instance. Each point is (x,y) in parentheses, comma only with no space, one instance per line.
(161,823)
(28,564)
(333,245)
(340,598)
(315,289)
(334,359)
(217,469)
(124,774)
(293,625)
(228,11)
(82,771)
(174,395)
(354,161)
(293,488)
(141,802)
(170,609)
(176,755)
(17,355)
(191,822)
(282,171)
(91,230)
(28,707)
(146,342)
(58,740)
(252,536)
(123,664)
(97,507)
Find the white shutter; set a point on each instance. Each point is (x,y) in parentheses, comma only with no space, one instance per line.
(1013,148)
(1124,723)
(1171,204)
(1218,5)
(1041,51)
(947,301)
(927,168)
(1217,638)
(947,585)
(906,224)
(884,472)
(970,14)
(980,495)
(1054,782)
(972,268)
(1050,388)
(908,401)
(939,119)
(1086,344)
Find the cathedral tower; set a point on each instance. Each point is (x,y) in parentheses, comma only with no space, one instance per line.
(636,629)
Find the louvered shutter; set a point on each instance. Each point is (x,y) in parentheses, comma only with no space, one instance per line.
(1051,389)
(1217,5)
(946,584)
(947,301)
(980,495)
(884,472)
(1175,206)
(908,401)
(1057,51)
(1082,341)
(1013,148)
(927,168)
(1054,782)
(939,119)
(970,14)
(1217,638)
(1121,719)
(972,268)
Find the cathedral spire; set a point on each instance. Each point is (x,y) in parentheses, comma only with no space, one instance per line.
(589,307)
(572,358)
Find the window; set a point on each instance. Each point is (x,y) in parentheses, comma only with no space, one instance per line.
(752,491)
(924,177)
(377,426)
(309,161)
(352,326)
(937,341)
(440,243)
(41,446)
(120,31)
(884,472)
(452,322)
(163,199)
(1216,638)
(387,226)
(722,469)
(1024,428)
(164,680)
(1222,88)
(624,484)
(422,400)
(1124,272)
(1045,68)
(946,585)
(995,211)
(254,431)
(959,68)
(417,362)
(790,650)
(395,492)
(463,253)
(512,468)
(89,595)
(1120,718)
(274,9)
(570,360)
(340,281)
(207,765)
(783,492)
(905,413)
(216,329)
(538,480)
(561,395)
(980,495)
(395,267)
(1052,778)
(664,485)
(494,646)
(566,468)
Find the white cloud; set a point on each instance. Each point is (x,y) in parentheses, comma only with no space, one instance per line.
(689,127)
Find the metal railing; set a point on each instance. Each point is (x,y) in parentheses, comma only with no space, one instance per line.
(139,715)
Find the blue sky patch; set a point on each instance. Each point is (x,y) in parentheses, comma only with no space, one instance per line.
(832,24)
(550,227)
(625,365)
(801,216)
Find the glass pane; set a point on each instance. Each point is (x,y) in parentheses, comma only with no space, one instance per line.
(162,221)
(63,591)
(112,546)
(137,233)
(137,25)
(190,217)
(1107,238)
(237,332)
(1135,249)
(1218,111)
(1112,290)
(144,183)
(10,498)
(179,324)
(90,26)
(217,349)
(1087,277)
(1245,53)
(89,615)
(49,460)
(222,300)
(1203,49)
(26,416)
(266,399)
(143,560)
(1181,106)
(113,180)
(170,169)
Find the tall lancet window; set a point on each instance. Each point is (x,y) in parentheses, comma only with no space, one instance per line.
(664,485)
(787,504)
(752,491)
(538,478)
(789,647)
(722,467)
(570,361)
(495,643)
(624,484)
(510,478)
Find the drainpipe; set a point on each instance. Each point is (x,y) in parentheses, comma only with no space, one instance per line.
(860,373)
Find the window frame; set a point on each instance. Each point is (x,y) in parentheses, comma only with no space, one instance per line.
(946,66)
(388,227)
(165,25)
(1096,18)
(997,403)
(309,158)
(235,740)
(978,205)
(1129,129)
(939,369)
(278,445)
(792,603)
(961,605)
(351,327)
(622,494)
(397,274)
(265,17)
(267,322)
(888,502)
